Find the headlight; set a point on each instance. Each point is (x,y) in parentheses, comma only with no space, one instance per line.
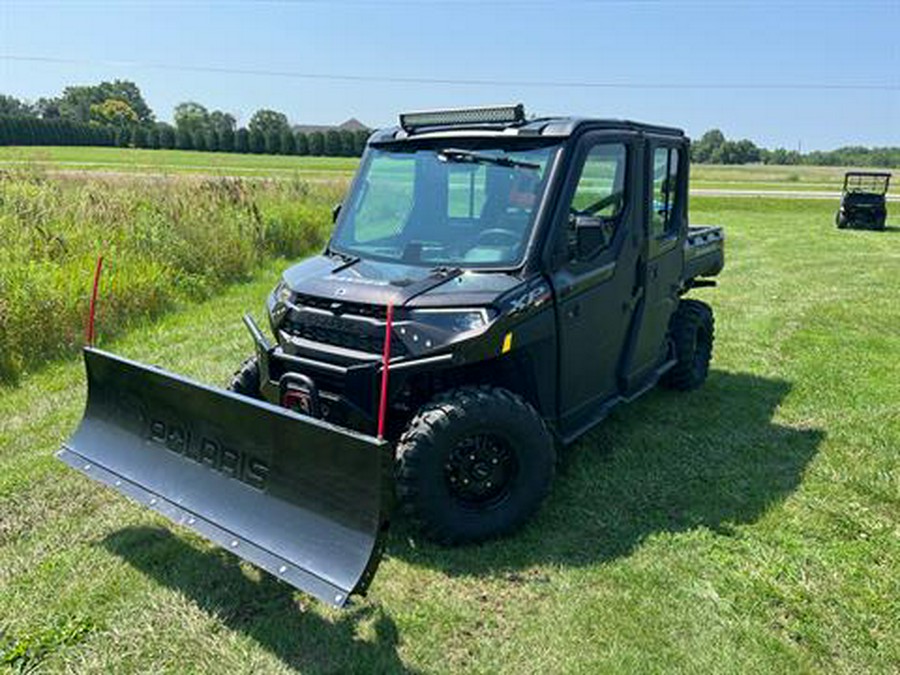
(453,320)
(278,303)
(282,293)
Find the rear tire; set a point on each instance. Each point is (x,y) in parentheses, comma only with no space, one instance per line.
(473,464)
(840,220)
(692,331)
(246,380)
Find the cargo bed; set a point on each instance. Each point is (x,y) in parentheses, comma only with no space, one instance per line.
(704,251)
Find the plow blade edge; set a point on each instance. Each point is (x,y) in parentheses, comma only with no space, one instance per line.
(303,499)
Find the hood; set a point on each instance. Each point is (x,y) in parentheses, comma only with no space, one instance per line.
(373,282)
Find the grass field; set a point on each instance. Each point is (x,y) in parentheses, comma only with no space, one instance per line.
(179,240)
(828,178)
(133,160)
(75,159)
(750,526)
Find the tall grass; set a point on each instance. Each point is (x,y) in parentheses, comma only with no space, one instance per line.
(164,241)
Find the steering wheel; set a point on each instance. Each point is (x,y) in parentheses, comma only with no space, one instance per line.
(497,233)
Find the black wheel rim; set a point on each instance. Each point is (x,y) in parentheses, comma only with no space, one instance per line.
(480,471)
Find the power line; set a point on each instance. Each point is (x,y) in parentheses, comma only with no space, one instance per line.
(388,79)
(376,4)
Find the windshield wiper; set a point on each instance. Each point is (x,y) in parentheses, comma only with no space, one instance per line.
(346,259)
(467,156)
(446,270)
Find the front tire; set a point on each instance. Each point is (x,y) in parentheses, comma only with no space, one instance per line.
(692,331)
(246,380)
(473,464)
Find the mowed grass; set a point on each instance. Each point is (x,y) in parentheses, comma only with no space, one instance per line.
(132,160)
(749,526)
(767,178)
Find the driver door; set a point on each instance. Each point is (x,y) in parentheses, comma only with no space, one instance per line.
(595,283)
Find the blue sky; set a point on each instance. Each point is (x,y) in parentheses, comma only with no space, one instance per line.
(541,46)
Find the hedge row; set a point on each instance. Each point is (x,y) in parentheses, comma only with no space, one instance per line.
(34,131)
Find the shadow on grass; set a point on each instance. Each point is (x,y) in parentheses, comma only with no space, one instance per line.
(668,463)
(264,609)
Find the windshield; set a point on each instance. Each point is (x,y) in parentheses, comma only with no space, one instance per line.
(869,183)
(445,207)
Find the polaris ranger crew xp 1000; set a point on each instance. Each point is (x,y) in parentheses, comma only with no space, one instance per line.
(493,287)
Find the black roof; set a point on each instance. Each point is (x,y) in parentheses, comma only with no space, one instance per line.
(545,127)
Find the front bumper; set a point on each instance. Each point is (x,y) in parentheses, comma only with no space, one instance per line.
(349,393)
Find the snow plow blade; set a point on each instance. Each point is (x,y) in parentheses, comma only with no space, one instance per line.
(303,499)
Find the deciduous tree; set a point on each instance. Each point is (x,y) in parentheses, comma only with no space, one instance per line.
(13,107)
(114,112)
(75,102)
(221,122)
(242,141)
(191,117)
(268,120)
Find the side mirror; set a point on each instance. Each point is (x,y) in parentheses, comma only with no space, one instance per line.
(335,212)
(592,234)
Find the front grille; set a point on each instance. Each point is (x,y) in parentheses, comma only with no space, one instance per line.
(341,307)
(351,337)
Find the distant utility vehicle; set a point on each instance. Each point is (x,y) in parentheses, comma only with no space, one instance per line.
(863,201)
(494,286)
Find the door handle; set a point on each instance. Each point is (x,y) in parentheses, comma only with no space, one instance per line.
(632,302)
(574,311)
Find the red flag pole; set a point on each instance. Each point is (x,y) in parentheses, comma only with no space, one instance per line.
(385,367)
(89,337)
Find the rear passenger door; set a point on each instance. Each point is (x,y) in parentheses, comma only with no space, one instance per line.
(666,223)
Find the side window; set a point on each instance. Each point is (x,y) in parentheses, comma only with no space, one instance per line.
(599,199)
(663,212)
(600,190)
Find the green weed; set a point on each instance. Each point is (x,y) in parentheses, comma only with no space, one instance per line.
(25,652)
(163,241)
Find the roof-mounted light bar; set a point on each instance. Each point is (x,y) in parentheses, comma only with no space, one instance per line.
(464,117)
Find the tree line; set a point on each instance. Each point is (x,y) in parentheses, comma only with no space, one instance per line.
(714,148)
(116,114)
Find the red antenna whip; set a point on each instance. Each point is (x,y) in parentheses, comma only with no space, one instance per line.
(89,337)
(385,367)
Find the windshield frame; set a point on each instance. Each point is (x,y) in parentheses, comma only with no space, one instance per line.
(477,144)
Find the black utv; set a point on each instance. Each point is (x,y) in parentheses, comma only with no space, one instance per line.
(494,286)
(863,201)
